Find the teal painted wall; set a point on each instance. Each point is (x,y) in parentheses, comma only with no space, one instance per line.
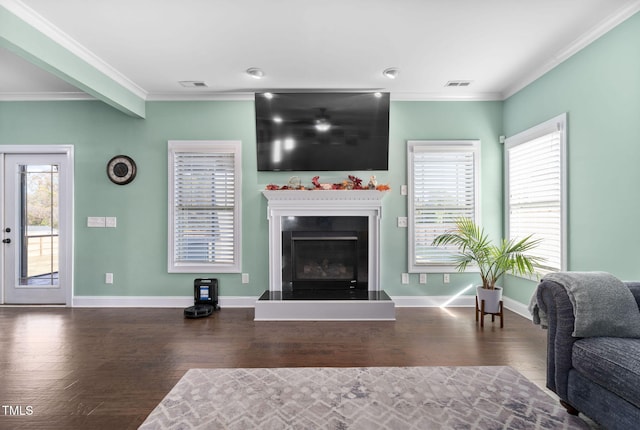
(136,251)
(440,121)
(599,88)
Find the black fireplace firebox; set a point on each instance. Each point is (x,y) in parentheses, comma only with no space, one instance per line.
(325,257)
(324,260)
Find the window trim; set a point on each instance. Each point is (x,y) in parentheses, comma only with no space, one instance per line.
(557,123)
(471,145)
(205,146)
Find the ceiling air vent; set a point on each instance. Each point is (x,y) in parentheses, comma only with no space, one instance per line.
(458,84)
(193,84)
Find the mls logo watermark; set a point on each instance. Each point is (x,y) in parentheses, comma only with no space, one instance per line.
(17,410)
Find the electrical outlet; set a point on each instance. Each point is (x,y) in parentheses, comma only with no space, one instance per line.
(245,278)
(423,278)
(111,222)
(445,278)
(108,278)
(405,278)
(402,221)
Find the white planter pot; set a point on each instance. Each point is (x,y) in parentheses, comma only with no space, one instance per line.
(491,299)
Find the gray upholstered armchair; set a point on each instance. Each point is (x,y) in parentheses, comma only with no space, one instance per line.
(598,376)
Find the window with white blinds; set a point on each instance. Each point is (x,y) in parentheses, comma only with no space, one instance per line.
(444,184)
(204,202)
(535,188)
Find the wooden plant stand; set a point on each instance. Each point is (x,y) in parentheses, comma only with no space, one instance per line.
(480,313)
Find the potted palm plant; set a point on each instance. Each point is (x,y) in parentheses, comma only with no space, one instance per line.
(492,260)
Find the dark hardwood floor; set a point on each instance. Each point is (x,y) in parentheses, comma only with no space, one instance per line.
(108,368)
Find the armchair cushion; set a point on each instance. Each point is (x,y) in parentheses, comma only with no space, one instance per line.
(611,363)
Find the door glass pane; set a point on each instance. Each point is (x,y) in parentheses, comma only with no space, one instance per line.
(39,225)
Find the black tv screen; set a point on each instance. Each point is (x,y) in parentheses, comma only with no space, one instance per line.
(322,131)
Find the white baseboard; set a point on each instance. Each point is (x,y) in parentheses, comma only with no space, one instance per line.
(433,301)
(460,301)
(517,307)
(157,302)
(249,302)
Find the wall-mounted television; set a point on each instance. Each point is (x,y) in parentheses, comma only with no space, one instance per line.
(322,131)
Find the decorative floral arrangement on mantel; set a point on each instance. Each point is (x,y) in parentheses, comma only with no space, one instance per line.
(353,183)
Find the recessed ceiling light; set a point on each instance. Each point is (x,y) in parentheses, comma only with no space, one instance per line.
(255,72)
(391,72)
(193,84)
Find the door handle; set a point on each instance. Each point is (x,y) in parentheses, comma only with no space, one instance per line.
(6,240)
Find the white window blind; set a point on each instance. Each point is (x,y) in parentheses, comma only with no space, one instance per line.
(444,187)
(535,191)
(204,200)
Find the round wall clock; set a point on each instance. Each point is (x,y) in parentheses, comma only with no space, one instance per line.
(121,169)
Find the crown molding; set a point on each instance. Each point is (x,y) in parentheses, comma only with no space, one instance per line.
(204,96)
(576,46)
(445,96)
(38,22)
(237,96)
(244,96)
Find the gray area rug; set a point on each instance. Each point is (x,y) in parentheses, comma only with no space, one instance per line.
(492,397)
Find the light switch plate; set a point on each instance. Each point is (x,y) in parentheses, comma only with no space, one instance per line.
(405,278)
(423,278)
(95,221)
(111,222)
(402,221)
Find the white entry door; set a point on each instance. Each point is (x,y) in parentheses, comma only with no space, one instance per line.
(37,220)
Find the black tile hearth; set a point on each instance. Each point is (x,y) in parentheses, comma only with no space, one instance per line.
(328,294)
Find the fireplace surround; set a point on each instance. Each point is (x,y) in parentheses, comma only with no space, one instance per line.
(344,282)
(287,207)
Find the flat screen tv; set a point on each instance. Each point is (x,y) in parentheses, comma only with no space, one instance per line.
(322,131)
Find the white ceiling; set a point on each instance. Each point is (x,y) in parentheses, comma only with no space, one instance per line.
(150,45)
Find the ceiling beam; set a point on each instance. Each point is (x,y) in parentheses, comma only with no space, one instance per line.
(21,37)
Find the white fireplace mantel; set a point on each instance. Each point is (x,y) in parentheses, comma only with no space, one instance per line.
(346,198)
(288,203)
